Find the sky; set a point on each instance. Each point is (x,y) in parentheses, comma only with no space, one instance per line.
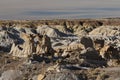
(38,9)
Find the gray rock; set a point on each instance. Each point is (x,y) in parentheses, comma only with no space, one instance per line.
(34,77)
(117,79)
(7,39)
(89,53)
(11,75)
(62,76)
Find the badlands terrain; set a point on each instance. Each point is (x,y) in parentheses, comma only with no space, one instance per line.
(81,49)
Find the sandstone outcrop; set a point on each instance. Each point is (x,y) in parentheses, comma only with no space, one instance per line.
(25,49)
(29,47)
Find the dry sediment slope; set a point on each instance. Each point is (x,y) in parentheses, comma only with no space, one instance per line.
(59,46)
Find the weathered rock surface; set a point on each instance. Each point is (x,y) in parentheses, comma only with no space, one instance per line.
(77,46)
(50,31)
(11,75)
(106,31)
(7,38)
(44,45)
(61,76)
(25,49)
(29,47)
(111,54)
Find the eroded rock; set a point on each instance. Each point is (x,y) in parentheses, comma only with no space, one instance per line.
(44,45)
(61,76)
(29,47)
(25,49)
(111,54)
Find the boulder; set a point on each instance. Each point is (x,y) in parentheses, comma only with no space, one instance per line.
(90,54)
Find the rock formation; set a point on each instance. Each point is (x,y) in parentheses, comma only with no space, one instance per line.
(106,31)
(11,75)
(25,49)
(29,47)
(44,45)
(50,31)
(85,47)
(62,76)
(111,54)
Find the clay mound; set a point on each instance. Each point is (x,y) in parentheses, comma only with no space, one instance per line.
(106,31)
(49,31)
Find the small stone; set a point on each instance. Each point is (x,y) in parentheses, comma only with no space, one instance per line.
(40,77)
